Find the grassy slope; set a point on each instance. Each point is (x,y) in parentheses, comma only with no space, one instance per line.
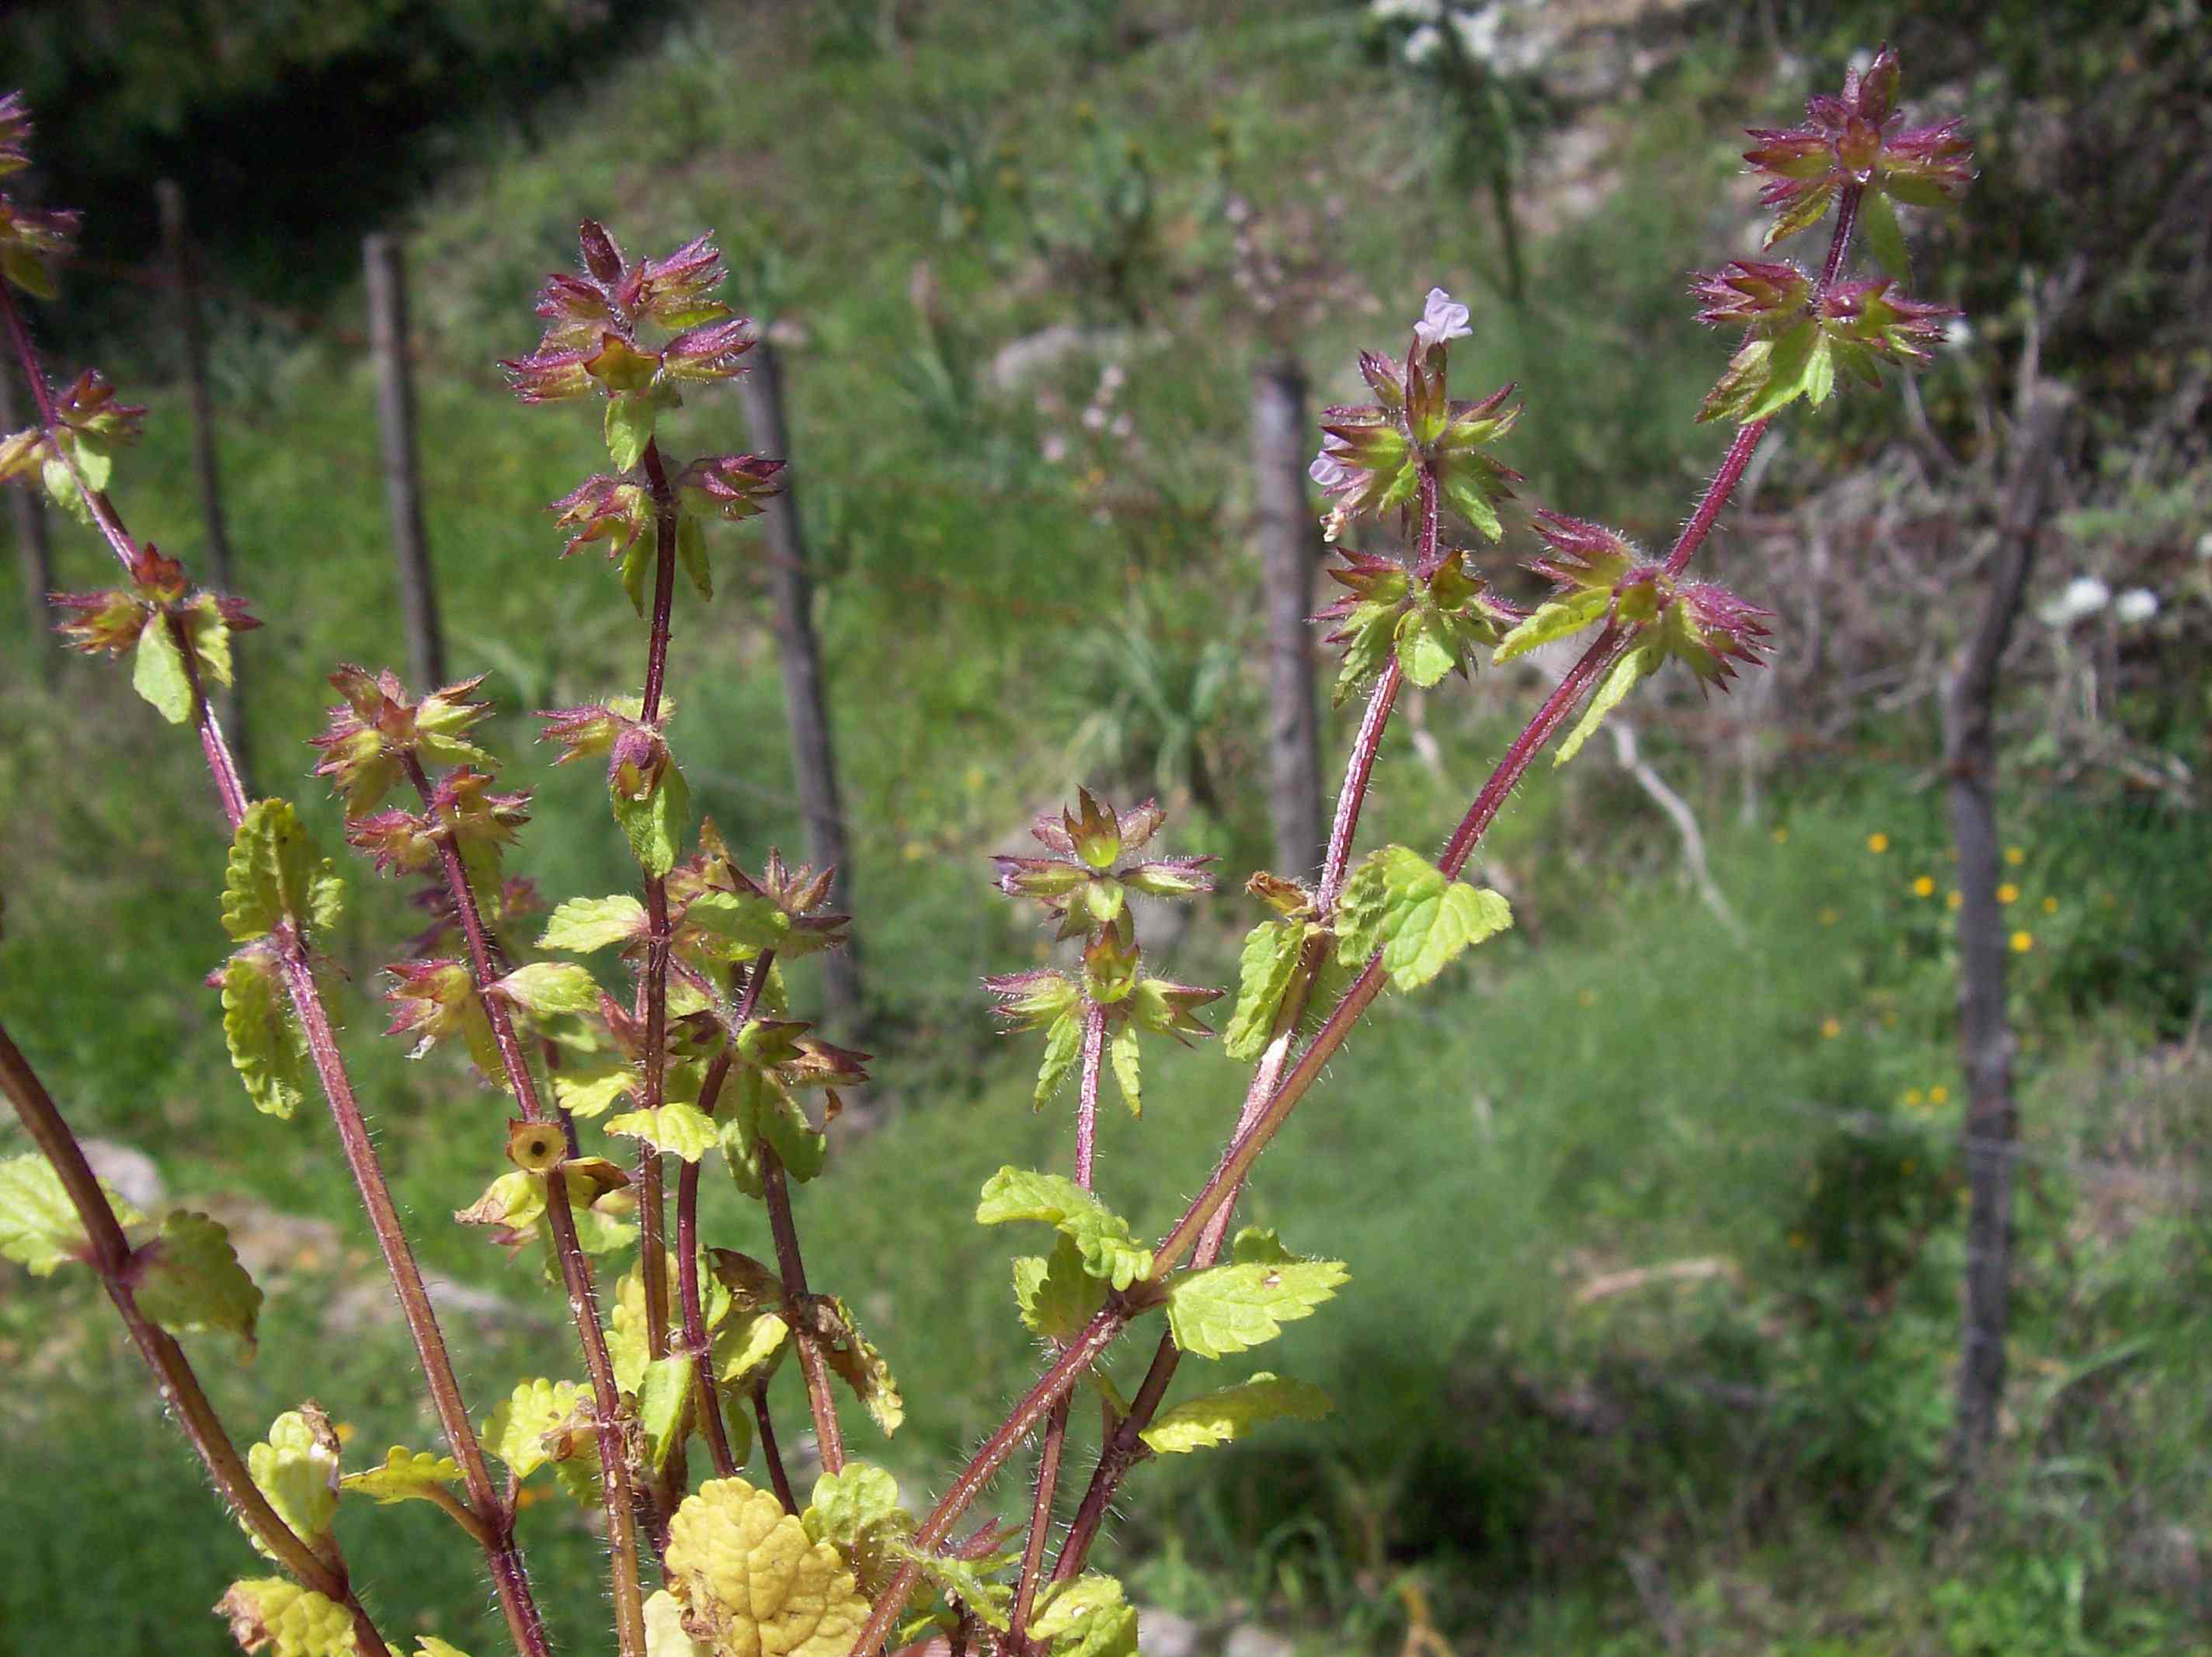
(1578,1107)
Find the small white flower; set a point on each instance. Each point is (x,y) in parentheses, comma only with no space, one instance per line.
(2136,606)
(2204,544)
(1441,320)
(1478,32)
(1094,419)
(1110,379)
(1423,44)
(1958,333)
(2084,597)
(1054,448)
(1123,426)
(1411,11)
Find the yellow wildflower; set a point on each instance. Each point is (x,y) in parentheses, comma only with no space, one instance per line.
(1912,1098)
(2022,943)
(1953,898)
(2015,856)
(1877,843)
(2050,905)
(1939,1095)
(1832,1028)
(2007,893)
(1925,886)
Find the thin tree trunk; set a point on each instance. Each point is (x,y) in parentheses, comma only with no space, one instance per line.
(791,600)
(1290,551)
(33,554)
(1985,1035)
(402,488)
(230,700)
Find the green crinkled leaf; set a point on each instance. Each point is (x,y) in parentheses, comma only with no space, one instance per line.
(1790,369)
(739,1127)
(1063,1047)
(1885,237)
(1560,618)
(802,1148)
(1057,1296)
(157,672)
(1471,489)
(296,1467)
(516,1432)
(1218,1417)
(406,1476)
(750,921)
(39,1224)
(191,1279)
(211,639)
(748,1340)
(1427,646)
(1272,951)
(1109,1248)
(655,824)
(1233,1307)
(591,1093)
(585,924)
(1746,375)
(964,1580)
(276,872)
(662,1397)
(1399,902)
(665,1633)
(1373,629)
(857,1512)
(550,987)
(1128,1071)
(268,1048)
(1090,1617)
(273,1617)
(691,548)
(682,1130)
(628,425)
(1624,677)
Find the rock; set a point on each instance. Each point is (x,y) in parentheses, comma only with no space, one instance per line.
(1035,354)
(131,1172)
(1250,1640)
(1161,1633)
(369,1302)
(268,1242)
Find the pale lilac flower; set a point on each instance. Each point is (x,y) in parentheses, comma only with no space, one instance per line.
(1441,320)
(1330,473)
(1423,44)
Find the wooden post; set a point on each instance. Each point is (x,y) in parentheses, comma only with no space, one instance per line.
(183,287)
(1986,1036)
(791,599)
(402,489)
(33,554)
(1289,552)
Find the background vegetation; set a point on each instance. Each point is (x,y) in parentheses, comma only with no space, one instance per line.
(1666,1366)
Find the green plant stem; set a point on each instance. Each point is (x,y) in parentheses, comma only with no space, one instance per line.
(576,1264)
(180,1387)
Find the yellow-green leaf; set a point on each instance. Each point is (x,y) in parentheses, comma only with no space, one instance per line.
(753,1583)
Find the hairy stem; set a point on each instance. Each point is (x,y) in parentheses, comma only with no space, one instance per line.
(650,1162)
(180,1387)
(1358,770)
(771,1452)
(576,1264)
(1056,1427)
(1023,1420)
(509,1577)
(829,1437)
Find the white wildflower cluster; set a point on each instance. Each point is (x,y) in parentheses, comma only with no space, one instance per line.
(2086,595)
(1505,36)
